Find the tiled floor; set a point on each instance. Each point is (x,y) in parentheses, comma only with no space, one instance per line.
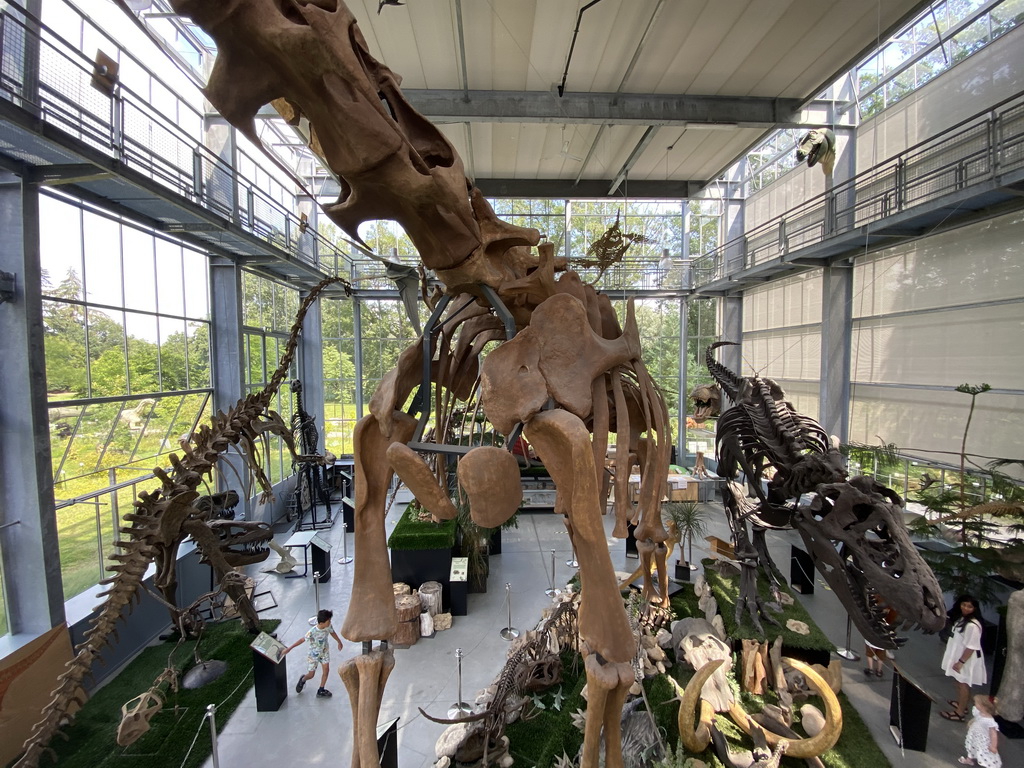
(317,732)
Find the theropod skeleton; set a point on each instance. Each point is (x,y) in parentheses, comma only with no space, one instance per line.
(853,528)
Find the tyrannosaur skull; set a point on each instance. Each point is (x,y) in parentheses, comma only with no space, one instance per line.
(856,534)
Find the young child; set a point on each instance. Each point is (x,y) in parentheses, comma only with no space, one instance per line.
(318,652)
(982,742)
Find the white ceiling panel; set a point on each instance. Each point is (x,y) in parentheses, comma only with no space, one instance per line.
(707,78)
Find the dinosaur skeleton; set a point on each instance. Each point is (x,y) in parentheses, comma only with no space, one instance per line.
(163,519)
(853,529)
(528,668)
(136,713)
(567,373)
(707,402)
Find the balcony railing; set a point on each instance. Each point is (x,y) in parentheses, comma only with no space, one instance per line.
(980,150)
(165,145)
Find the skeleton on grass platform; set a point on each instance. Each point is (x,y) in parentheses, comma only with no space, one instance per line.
(566,370)
(853,528)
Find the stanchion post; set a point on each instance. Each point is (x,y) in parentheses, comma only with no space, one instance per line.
(344,559)
(551,591)
(211,711)
(573,563)
(316,589)
(460,707)
(509,632)
(848,653)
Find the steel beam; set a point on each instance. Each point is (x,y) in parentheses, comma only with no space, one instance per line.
(458,106)
(661,189)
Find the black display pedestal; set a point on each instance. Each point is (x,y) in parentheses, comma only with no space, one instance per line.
(271,681)
(909,710)
(682,571)
(387,744)
(321,560)
(801,571)
(631,541)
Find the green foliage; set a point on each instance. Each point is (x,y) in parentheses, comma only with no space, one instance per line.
(885,456)
(690,519)
(727,590)
(91,738)
(412,533)
(978,551)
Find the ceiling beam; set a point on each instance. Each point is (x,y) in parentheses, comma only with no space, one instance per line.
(453,106)
(563,188)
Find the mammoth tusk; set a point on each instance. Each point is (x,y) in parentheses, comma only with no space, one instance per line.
(696,738)
(801,748)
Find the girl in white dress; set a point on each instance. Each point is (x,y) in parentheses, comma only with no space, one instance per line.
(982,742)
(963,659)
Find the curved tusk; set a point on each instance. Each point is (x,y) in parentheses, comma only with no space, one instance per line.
(696,739)
(814,745)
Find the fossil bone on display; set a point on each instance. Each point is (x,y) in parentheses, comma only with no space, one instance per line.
(162,520)
(393,164)
(707,402)
(854,529)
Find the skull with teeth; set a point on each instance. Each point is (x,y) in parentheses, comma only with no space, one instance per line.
(855,531)
(242,543)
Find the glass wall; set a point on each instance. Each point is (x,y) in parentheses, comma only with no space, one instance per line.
(126,316)
(268,312)
(340,390)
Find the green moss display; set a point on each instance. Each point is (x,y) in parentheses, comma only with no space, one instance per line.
(171,739)
(726,592)
(412,533)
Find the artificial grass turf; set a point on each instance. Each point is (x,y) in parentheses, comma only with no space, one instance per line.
(92,736)
(726,592)
(543,735)
(412,533)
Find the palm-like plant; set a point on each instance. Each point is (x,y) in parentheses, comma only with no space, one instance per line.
(690,520)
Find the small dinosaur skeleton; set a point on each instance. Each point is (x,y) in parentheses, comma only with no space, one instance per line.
(528,661)
(163,519)
(854,529)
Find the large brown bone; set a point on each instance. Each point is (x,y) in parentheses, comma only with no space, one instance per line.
(564,442)
(490,478)
(371,580)
(393,163)
(365,677)
(419,478)
(558,355)
(608,641)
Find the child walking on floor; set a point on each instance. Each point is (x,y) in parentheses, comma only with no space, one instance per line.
(982,742)
(318,653)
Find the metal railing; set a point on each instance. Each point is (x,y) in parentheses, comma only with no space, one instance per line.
(52,79)
(978,150)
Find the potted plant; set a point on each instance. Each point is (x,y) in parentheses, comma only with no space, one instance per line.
(472,543)
(689,520)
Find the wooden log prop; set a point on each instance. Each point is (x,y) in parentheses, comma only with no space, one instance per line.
(407,608)
(430,597)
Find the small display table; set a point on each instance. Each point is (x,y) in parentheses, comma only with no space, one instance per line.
(320,555)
